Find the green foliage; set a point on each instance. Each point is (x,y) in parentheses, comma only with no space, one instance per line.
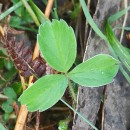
(2,127)
(90,20)
(88,73)
(75,12)
(63,124)
(5,117)
(7,106)
(19,10)
(2,58)
(58,44)
(116,48)
(17,87)
(9,75)
(8,64)
(10,93)
(45,92)
(120,52)
(41,17)
(22,14)
(21,18)
(1,63)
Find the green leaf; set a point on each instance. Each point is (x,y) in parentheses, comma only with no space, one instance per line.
(1,63)
(7,106)
(15,20)
(44,93)
(2,127)
(57,44)
(41,17)
(97,71)
(5,117)
(10,93)
(17,87)
(8,64)
(63,124)
(19,10)
(9,75)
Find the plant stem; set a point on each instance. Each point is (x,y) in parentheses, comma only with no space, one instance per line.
(30,11)
(86,120)
(72,91)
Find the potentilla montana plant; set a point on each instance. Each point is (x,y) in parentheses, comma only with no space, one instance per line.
(58,46)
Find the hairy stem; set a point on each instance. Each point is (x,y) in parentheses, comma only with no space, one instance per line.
(72,92)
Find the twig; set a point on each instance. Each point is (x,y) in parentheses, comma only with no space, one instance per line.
(86,25)
(125,19)
(23,82)
(103,108)
(23,110)
(48,8)
(37,120)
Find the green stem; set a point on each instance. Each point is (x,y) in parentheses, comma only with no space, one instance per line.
(24,28)
(72,91)
(30,11)
(86,120)
(10,10)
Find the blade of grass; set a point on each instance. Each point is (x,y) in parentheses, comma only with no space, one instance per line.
(10,10)
(90,20)
(31,12)
(86,120)
(41,17)
(120,51)
(113,43)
